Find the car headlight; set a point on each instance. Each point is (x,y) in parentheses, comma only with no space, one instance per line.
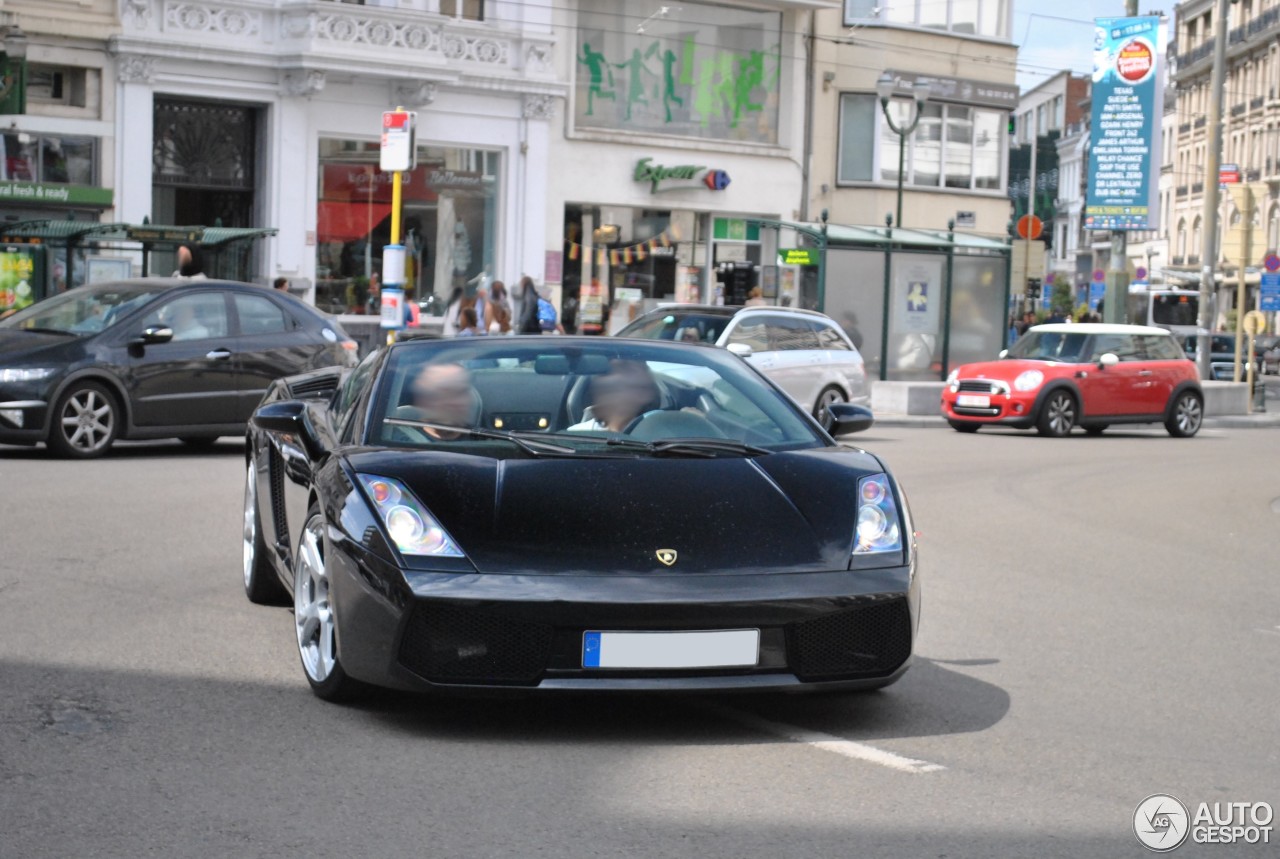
(26,374)
(412,528)
(878,528)
(953,380)
(1028,380)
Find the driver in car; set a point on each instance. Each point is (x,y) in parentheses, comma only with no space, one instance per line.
(619,397)
(442,394)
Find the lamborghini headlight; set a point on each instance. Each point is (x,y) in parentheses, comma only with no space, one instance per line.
(879,527)
(412,528)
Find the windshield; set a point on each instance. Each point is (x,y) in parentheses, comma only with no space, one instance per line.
(84,310)
(498,397)
(1067,347)
(687,326)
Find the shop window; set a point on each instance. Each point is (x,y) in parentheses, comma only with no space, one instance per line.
(968,17)
(48,158)
(953,146)
(448,222)
(857,137)
(693,70)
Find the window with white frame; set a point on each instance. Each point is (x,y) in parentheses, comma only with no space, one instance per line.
(966,17)
(953,146)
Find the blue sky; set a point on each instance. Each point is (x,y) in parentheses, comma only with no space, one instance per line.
(1053,35)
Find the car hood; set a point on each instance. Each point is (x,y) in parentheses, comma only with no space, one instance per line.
(780,512)
(29,346)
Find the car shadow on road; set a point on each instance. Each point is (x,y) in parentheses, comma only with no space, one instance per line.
(932,699)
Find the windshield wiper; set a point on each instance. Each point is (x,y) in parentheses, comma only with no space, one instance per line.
(528,445)
(39,330)
(691,446)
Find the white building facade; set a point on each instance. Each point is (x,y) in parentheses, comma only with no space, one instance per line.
(679,129)
(257,113)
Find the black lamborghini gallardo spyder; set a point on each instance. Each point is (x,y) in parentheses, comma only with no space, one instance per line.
(562,513)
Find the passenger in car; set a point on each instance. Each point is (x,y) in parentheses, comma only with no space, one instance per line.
(442,394)
(618,397)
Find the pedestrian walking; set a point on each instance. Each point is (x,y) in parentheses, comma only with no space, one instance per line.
(528,308)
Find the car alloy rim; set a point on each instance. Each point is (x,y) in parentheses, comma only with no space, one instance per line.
(1188,414)
(87,420)
(250,521)
(311,612)
(1061,415)
(828,398)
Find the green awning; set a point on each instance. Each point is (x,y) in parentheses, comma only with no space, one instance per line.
(217,236)
(63,232)
(844,235)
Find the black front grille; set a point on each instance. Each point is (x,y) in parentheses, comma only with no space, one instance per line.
(868,640)
(319,386)
(979,386)
(447,643)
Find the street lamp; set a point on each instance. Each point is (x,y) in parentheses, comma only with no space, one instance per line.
(886,86)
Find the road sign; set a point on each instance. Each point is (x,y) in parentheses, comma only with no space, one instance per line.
(1271,262)
(398,153)
(1254,322)
(1140,273)
(1269,291)
(1228,174)
(1099,276)
(1030,227)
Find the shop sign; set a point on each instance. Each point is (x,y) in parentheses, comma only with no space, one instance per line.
(798,256)
(164,234)
(959,90)
(654,174)
(48,192)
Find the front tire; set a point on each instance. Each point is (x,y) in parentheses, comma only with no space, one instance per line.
(1057,414)
(964,426)
(1185,416)
(85,421)
(1096,429)
(830,396)
(314,621)
(261,585)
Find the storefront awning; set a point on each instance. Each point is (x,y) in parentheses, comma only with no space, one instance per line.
(61,232)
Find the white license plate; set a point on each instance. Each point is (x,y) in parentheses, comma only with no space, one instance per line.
(976,400)
(726,648)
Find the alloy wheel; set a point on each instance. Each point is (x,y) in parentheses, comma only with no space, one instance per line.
(312,613)
(88,421)
(1060,414)
(250,523)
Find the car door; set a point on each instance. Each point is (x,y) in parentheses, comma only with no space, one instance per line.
(843,360)
(1168,365)
(190,380)
(1124,388)
(800,365)
(751,331)
(270,343)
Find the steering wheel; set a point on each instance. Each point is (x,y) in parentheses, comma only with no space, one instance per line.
(660,424)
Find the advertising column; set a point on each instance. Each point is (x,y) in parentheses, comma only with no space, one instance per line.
(1128,102)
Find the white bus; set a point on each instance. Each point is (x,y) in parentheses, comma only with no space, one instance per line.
(1174,309)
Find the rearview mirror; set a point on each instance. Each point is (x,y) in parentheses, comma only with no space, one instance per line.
(154,334)
(846,418)
(742,350)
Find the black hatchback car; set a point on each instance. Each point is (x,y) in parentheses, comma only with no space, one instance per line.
(153,358)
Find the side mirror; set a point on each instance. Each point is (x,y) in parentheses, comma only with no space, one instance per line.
(283,417)
(846,418)
(742,350)
(152,335)
(1108,359)
(1004,353)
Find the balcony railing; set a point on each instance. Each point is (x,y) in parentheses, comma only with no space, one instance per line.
(1197,187)
(1182,191)
(1200,121)
(1194,259)
(1178,260)
(1252,175)
(1184,128)
(1238,109)
(1255,103)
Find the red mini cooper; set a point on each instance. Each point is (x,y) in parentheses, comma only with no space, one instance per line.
(1089,375)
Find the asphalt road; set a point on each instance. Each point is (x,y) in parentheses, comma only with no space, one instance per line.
(1101,622)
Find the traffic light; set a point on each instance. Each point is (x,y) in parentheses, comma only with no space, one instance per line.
(1013,126)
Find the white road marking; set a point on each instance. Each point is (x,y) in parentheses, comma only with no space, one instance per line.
(1275,631)
(830,743)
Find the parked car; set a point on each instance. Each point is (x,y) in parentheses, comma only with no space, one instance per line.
(803,352)
(1222,356)
(460,515)
(1091,375)
(153,358)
